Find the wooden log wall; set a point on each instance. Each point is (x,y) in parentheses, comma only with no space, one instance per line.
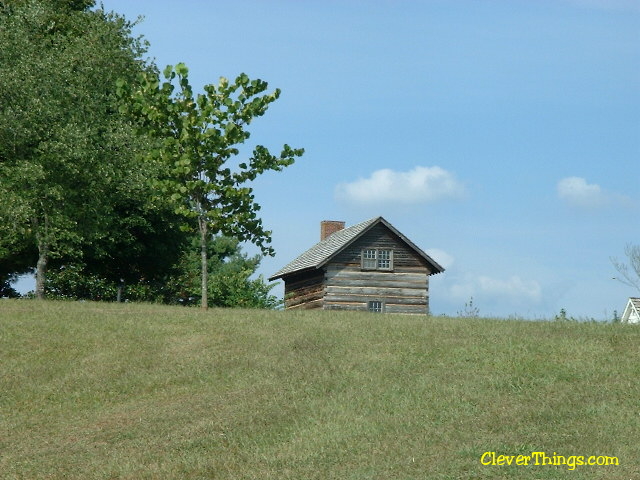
(352,289)
(305,290)
(403,290)
(381,237)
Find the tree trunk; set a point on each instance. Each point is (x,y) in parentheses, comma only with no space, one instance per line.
(203,264)
(43,257)
(41,268)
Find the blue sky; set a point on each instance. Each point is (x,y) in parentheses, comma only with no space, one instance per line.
(502,137)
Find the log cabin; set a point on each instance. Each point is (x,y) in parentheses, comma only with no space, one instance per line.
(369,266)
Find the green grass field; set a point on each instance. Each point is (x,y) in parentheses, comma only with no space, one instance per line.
(110,391)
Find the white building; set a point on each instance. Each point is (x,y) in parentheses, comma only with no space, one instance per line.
(631,311)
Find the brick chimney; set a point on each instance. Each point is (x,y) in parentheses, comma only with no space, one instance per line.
(327,227)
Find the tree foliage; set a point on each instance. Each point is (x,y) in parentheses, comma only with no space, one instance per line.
(199,135)
(94,199)
(230,280)
(67,164)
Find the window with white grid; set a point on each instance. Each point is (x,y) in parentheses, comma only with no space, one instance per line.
(377,259)
(369,260)
(384,259)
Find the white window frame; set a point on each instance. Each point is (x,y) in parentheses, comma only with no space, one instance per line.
(375,259)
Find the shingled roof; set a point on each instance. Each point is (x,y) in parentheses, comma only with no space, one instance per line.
(323,251)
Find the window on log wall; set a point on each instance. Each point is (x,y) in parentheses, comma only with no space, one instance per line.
(376,306)
(377,259)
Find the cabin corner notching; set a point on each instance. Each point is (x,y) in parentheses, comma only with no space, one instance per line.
(370,266)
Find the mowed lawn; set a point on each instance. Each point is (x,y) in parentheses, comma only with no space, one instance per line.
(110,391)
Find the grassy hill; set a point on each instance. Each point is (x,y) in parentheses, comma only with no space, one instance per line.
(96,391)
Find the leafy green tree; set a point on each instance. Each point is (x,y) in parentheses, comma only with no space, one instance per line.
(199,136)
(61,6)
(140,240)
(15,248)
(141,254)
(75,283)
(66,154)
(229,280)
(79,282)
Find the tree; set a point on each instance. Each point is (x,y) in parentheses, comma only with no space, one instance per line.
(230,283)
(630,273)
(229,280)
(15,248)
(65,151)
(199,136)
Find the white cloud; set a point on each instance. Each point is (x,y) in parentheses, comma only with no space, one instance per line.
(420,185)
(514,287)
(443,258)
(578,193)
(512,290)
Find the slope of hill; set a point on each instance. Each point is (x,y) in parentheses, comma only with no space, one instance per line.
(92,391)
